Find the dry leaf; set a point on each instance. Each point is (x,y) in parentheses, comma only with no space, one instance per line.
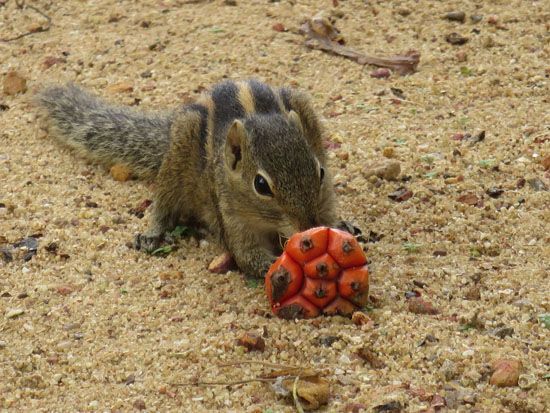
(321,34)
(312,391)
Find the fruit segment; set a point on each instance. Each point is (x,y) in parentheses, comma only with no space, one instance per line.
(307,245)
(345,249)
(319,292)
(283,280)
(354,285)
(323,267)
(296,307)
(340,306)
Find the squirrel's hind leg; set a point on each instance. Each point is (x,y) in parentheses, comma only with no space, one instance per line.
(177,173)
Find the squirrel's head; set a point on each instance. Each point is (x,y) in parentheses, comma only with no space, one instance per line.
(280,183)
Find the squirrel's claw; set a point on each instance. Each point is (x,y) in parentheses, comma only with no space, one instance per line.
(147,242)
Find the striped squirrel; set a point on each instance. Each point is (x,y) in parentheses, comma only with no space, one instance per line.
(245,161)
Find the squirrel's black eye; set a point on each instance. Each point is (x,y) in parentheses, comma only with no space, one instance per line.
(322,173)
(261,186)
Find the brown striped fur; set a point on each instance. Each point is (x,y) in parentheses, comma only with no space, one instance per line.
(205,158)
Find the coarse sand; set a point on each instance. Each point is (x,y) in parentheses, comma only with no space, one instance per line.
(87,323)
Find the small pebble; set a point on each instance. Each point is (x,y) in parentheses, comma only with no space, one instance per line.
(388,152)
(476,18)
(457,16)
(14,83)
(456,39)
(505,372)
(120,172)
(380,73)
(14,312)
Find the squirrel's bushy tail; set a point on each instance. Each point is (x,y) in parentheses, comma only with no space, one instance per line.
(106,133)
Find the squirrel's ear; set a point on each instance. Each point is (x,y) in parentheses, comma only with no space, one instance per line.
(233,144)
(294,119)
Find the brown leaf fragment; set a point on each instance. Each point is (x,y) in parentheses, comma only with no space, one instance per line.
(418,305)
(505,372)
(401,194)
(14,83)
(120,172)
(322,35)
(222,264)
(546,163)
(371,358)
(469,199)
(312,391)
(252,342)
(456,39)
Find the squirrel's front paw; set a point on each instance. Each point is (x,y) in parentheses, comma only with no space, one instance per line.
(147,242)
(349,226)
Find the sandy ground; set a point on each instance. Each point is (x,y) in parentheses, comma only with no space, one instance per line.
(95,325)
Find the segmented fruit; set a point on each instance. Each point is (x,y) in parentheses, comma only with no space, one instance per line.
(322,270)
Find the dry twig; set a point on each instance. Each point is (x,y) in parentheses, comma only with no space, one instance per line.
(44,28)
(322,35)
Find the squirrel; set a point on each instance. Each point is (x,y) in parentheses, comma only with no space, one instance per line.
(245,161)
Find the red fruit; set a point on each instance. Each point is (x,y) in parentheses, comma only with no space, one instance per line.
(321,270)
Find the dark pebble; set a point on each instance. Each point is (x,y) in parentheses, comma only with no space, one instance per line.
(495,192)
(456,39)
(456,16)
